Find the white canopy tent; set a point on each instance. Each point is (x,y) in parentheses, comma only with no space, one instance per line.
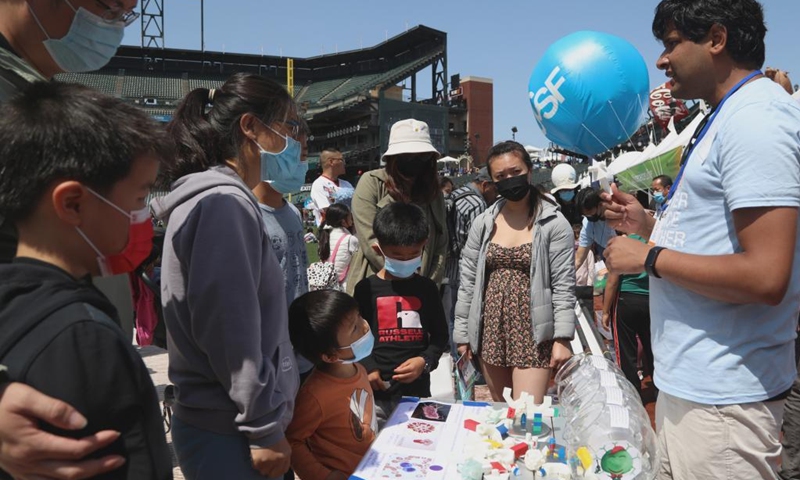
(448,162)
(636,170)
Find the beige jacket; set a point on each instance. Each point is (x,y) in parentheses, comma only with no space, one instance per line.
(370,196)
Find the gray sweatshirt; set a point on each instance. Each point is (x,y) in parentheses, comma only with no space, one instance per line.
(552,305)
(225,308)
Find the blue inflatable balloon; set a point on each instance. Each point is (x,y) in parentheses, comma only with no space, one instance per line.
(590,92)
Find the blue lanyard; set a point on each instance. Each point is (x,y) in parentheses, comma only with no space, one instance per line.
(700,133)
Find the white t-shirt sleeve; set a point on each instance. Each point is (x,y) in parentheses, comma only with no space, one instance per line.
(759,161)
(319,195)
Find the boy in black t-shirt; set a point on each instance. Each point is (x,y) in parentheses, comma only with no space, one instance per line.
(404,310)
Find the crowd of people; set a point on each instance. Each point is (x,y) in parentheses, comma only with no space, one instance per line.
(277,372)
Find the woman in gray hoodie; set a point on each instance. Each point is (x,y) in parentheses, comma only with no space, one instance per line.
(516,299)
(222,287)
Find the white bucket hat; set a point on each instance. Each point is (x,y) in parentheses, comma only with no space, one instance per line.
(564,178)
(409,136)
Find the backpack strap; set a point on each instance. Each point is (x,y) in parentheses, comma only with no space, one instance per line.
(12,332)
(20,349)
(452,220)
(333,256)
(464,194)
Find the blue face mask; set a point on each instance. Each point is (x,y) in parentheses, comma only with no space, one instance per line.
(401,268)
(361,348)
(283,170)
(566,195)
(659,197)
(89,45)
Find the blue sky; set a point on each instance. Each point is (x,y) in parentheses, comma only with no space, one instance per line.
(502,40)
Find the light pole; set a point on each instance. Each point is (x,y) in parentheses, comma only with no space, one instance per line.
(514,133)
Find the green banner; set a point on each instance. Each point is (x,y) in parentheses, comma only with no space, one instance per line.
(640,177)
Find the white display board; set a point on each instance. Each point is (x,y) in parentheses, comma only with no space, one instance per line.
(420,441)
(423,439)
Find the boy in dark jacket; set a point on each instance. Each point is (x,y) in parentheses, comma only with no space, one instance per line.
(404,311)
(75,168)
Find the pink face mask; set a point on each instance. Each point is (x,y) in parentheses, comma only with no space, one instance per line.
(139,247)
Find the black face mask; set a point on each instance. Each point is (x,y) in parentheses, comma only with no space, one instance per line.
(593,218)
(513,189)
(412,167)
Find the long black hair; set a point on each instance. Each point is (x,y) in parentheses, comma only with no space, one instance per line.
(514,148)
(335,216)
(421,188)
(206,123)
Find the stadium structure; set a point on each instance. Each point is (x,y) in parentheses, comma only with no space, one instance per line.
(349,99)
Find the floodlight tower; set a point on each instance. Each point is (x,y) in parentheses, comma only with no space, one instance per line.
(152,23)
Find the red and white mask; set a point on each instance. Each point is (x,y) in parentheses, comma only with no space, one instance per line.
(139,247)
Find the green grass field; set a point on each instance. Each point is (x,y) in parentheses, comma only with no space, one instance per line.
(311,249)
(313,255)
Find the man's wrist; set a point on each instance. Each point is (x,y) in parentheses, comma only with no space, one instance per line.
(647,228)
(650,261)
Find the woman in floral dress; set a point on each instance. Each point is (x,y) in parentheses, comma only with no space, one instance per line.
(516,300)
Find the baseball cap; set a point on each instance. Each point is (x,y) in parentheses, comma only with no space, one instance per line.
(483,175)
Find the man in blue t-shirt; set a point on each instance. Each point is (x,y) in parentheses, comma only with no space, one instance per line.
(723,257)
(594,230)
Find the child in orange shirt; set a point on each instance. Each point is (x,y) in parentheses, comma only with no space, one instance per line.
(333,424)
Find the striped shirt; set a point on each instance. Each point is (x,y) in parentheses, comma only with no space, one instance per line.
(468,207)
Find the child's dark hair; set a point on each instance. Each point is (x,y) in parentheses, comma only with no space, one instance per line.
(314,320)
(587,199)
(400,225)
(335,216)
(206,123)
(54,131)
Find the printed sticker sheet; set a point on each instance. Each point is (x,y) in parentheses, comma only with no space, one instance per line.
(420,441)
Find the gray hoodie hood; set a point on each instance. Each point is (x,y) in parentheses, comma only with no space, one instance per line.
(189,186)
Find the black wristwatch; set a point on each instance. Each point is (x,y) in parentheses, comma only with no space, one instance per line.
(650,261)
(427,367)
